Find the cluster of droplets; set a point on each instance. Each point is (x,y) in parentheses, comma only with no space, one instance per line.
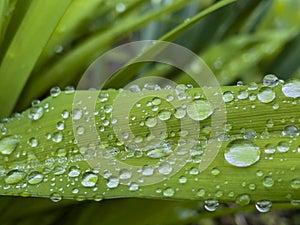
(241,150)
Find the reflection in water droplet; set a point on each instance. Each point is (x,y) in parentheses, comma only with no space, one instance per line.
(151,121)
(35,178)
(35,113)
(55,197)
(242,153)
(228,96)
(268,182)
(290,130)
(169,192)
(8,145)
(270,80)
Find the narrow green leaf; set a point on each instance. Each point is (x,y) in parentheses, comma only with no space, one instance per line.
(25,49)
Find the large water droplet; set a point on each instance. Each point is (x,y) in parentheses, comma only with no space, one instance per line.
(164,115)
(14,176)
(228,96)
(242,153)
(151,121)
(266,95)
(89,179)
(290,130)
(8,145)
(199,110)
(55,197)
(291,88)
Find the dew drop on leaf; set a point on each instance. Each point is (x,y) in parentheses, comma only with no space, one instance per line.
(199,110)
(242,153)
(266,95)
(89,179)
(8,144)
(263,206)
(211,205)
(291,88)
(14,176)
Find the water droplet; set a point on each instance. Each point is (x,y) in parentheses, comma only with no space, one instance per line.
(165,168)
(159,152)
(243,94)
(77,114)
(169,192)
(182,180)
(120,7)
(8,145)
(283,146)
(201,193)
(252,86)
(164,115)
(215,171)
(89,179)
(35,178)
(33,142)
(242,153)
(228,96)
(147,170)
(74,171)
(151,121)
(35,113)
(125,174)
(266,95)
(295,184)
(60,125)
(55,197)
(156,101)
(291,88)
(65,114)
(268,182)
(180,113)
(69,90)
(14,176)
(270,80)
(133,186)
(291,131)
(55,91)
(194,171)
(199,110)
(57,137)
(263,206)
(270,149)
(211,205)
(243,200)
(112,182)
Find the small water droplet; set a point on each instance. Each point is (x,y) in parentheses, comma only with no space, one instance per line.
(242,153)
(268,182)
(112,182)
(228,96)
(60,125)
(57,137)
(215,171)
(266,95)
(291,88)
(35,178)
(164,115)
(243,200)
(169,192)
(151,121)
(199,110)
(33,142)
(8,144)
(125,174)
(55,91)
(211,205)
(69,90)
(74,171)
(295,184)
(182,180)
(35,113)
(291,131)
(55,197)
(283,146)
(270,80)
(263,206)
(89,179)
(201,193)
(180,113)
